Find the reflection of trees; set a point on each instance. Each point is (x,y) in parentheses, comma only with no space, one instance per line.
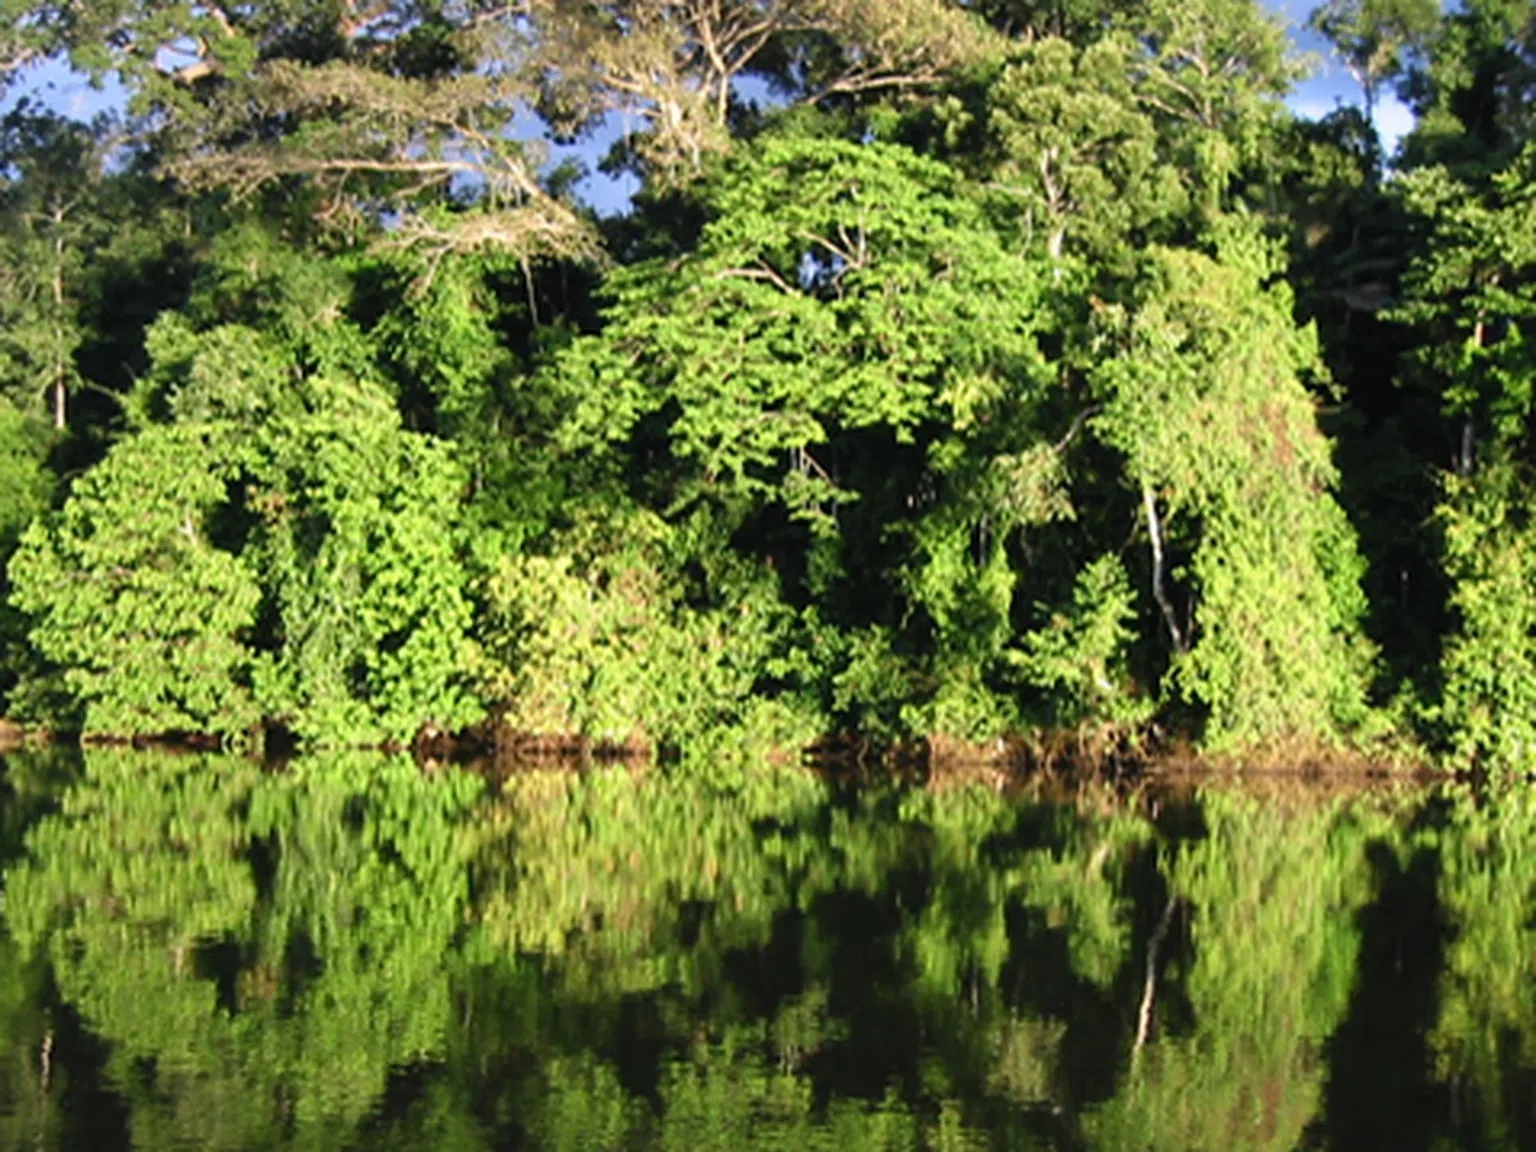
(778,952)
(634,881)
(29,1098)
(1484,1042)
(1269,895)
(293,959)
(351,953)
(258,950)
(32,782)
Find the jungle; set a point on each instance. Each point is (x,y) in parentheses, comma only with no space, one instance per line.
(975,372)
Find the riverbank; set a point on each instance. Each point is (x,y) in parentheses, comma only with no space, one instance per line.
(934,758)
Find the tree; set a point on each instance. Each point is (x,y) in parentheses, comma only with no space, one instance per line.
(1075,147)
(1205,399)
(1469,296)
(51,221)
(1472,292)
(850,353)
(374,107)
(674,65)
(355,540)
(1212,72)
(271,543)
(127,592)
(25,488)
(1474,87)
(1371,36)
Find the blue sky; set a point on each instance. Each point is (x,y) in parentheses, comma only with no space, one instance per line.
(1332,83)
(1329,86)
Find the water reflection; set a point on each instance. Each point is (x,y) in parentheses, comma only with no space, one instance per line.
(352,953)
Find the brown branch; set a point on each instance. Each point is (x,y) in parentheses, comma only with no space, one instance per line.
(21,59)
(843,254)
(197,70)
(723,72)
(762,272)
(220,17)
(806,458)
(1075,427)
(871,81)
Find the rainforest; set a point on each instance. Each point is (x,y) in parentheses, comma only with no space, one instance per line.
(1028,530)
(959,372)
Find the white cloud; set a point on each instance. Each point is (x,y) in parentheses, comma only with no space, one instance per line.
(1393,121)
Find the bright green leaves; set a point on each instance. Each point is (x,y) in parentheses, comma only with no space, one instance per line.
(24,484)
(146,615)
(1488,705)
(358,550)
(1212,73)
(608,651)
(1471,294)
(1076,148)
(1078,657)
(837,288)
(846,304)
(1474,287)
(283,550)
(837,292)
(235,1000)
(1207,404)
(1207,332)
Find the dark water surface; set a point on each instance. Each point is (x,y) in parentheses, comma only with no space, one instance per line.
(198,953)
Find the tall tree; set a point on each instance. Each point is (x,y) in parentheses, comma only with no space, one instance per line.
(1474,87)
(673,67)
(1076,150)
(1372,36)
(1205,399)
(375,105)
(51,221)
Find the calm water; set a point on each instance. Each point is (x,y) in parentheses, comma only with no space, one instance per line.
(201,954)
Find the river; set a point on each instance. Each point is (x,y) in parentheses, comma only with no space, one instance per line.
(354,952)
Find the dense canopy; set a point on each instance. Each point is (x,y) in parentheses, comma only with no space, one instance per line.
(956,370)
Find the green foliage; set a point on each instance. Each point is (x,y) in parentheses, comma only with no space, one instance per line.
(128,594)
(1207,404)
(280,549)
(47,228)
(1078,657)
(1373,35)
(255,1001)
(598,640)
(1269,897)
(24,483)
(1471,294)
(25,487)
(357,550)
(1484,1038)
(1487,709)
(1473,88)
(350,952)
(1472,291)
(837,288)
(867,389)
(1078,149)
(842,300)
